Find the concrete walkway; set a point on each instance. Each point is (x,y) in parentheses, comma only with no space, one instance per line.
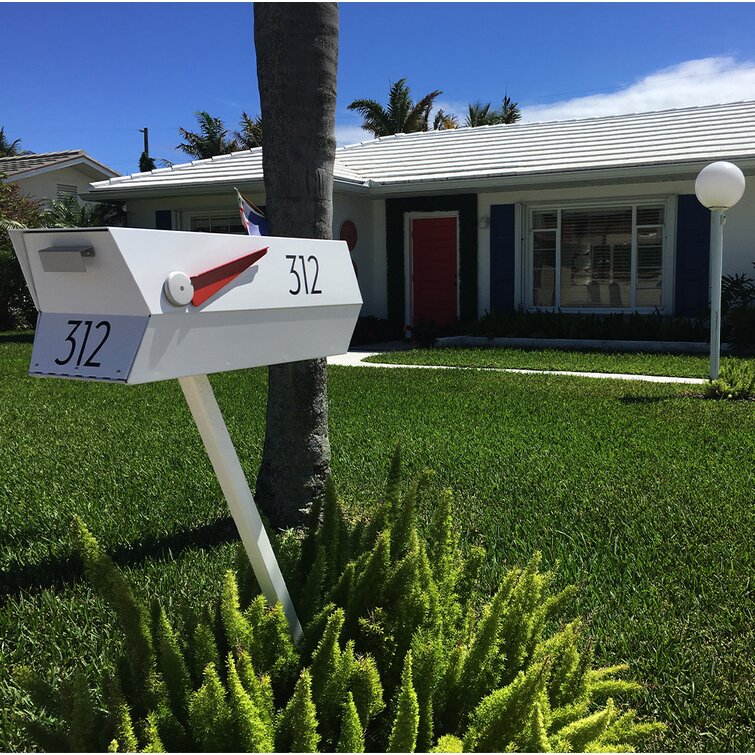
(355,359)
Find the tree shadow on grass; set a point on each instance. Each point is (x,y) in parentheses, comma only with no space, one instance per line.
(643,399)
(59,572)
(17,336)
(629,400)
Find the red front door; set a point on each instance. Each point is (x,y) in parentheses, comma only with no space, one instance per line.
(434,264)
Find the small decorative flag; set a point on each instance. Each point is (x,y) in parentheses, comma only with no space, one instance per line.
(252,218)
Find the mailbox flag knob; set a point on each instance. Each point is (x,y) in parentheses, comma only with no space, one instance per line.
(178,289)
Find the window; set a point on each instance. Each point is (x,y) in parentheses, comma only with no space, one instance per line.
(218,223)
(597,257)
(66,190)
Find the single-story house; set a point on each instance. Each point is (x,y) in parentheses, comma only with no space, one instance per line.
(592,215)
(54,175)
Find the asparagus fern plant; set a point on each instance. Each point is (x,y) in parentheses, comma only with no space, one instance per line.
(401,652)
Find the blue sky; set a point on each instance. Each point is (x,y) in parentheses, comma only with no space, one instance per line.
(90,75)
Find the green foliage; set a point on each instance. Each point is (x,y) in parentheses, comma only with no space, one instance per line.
(172,665)
(448,743)
(737,292)
(211,139)
(401,115)
(152,741)
(401,618)
(351,738)
(210,714)
(736,381)
(204,650)
(406,723)
(738,328)
(479,114)
(16,211)
(297,725)
(237,629)
(132,615)
(250,135)
(146,163)
(252,726)
(10,148)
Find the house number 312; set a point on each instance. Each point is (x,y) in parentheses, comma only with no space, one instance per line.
(305,271)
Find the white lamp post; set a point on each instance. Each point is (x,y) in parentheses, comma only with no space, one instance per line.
(718,186)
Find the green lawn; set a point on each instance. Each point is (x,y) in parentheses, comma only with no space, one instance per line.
(642,494)
(677,365)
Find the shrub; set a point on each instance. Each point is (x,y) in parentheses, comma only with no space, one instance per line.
(370,329)
(738,310)
(620,327)
(736,381)
(17,310)
(16,211)
(737,292)
(739,329)
(401,651)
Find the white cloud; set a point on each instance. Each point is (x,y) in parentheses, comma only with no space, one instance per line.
(351,134)
(707,81)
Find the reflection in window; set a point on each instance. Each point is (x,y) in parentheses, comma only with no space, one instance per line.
(596,258)
(583,258)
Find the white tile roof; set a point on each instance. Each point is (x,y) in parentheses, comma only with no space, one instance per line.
(637,141)
(223,170)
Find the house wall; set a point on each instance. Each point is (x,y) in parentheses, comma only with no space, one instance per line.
(141,212)
(44,186)
(367,215)
(739,235)
(369,252)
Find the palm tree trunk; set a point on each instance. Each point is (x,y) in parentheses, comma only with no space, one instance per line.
(297,62)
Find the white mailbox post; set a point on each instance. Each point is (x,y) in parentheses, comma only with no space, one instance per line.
(136,306)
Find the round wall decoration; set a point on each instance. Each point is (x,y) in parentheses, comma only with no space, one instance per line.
(348,234)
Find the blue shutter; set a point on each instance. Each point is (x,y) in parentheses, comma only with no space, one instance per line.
(692,256)
(502,246)
(163,220)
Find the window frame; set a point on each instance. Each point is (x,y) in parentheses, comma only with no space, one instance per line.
(668,203)
(188,217)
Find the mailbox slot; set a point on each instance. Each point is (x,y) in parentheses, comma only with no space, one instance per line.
(65,259)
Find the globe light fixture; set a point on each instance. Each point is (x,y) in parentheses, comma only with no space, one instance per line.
(719,186)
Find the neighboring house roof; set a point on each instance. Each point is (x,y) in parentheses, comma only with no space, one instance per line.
(669,143)
(24,166)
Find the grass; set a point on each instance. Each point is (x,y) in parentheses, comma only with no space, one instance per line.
(642,494)
(676,365)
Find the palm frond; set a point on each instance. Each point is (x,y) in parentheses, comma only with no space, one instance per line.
(509,111)
(250,135)
(479,114)
(376,119)
(210,141)
(444,121)
(417,118)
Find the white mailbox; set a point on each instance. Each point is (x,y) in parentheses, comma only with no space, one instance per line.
(135,305)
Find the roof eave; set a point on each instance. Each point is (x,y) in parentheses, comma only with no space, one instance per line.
(123,193)
(684,170)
